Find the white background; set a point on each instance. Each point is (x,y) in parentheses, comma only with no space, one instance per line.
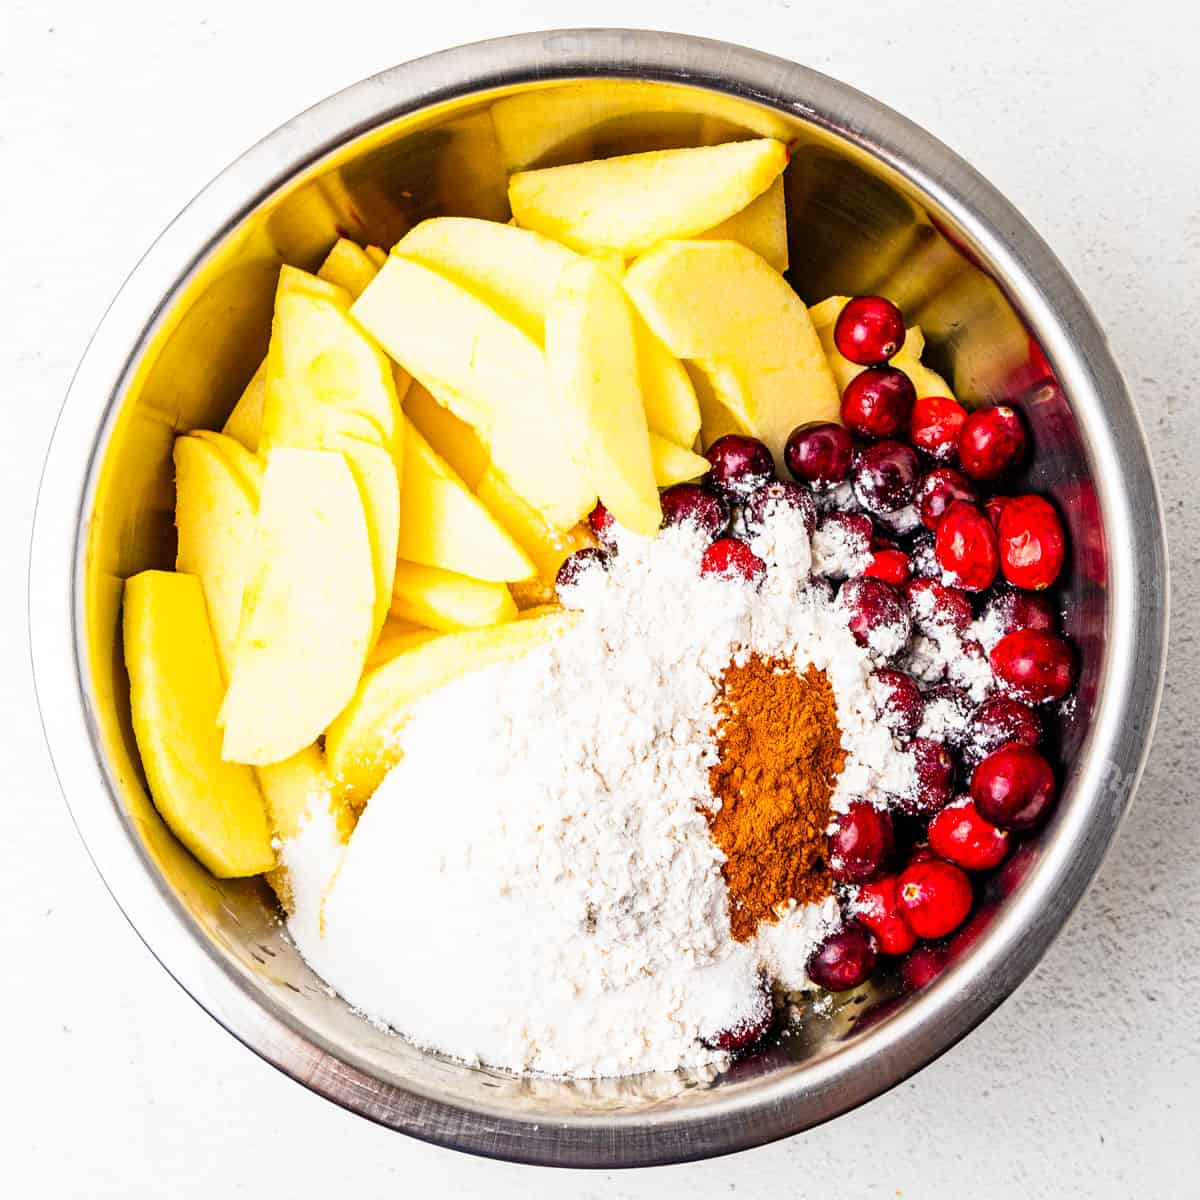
(1085,114)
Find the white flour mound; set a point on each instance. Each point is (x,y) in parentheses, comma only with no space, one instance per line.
(534,886)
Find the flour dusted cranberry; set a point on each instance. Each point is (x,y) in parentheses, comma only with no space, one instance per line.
(739,466)
(731,558)
(842,544)
(900,523)
(869,330)
(994,506)
(938,490)
(843,961)
(876,614)
(1013,787)
(922,556)
(576,566)
(935,426)
(934,769)
(992,440)
(935,897)
(1006,610)
(923,966)
(601,523)
(819,454)
(776,497)
(901,705)
(877,402)
(691,504)
(889,565)
(960,835)
(885,477)
(948,712)
(750,1030)
(1032,543)
(969,668)
(996,722)
(965,544)
(1033,666)
(861,843)
(878,909)
(937,608)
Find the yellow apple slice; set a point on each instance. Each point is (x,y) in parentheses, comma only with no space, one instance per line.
(591,355)
(307,612)
(245,464)
(452,438)
(349,266)
(631,203)
(668,396)
(362,745)
(396,637)
(443,600)
(675,464)
(294,787)
(213,807)
(757,348)
(486,370)
(377,255)
(761,226)
(245,421)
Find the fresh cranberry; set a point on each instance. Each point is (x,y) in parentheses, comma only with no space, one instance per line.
(819,454)
(750,1029)
(689,503)
(1032,543)
(877,907)
(846,541)
(878,402)
(996,722)
(938,490)
(1013,787)
(1007,610)
(1033,666)
(994,506)
(923,557)
(948,708)
(902,522)
(889,565)
(969,666)
(885,477)
(601,522)
(577,565)
(860,844)
(965,544)
(936,608)
(935,897)
(935,426)
(740,465)
(991,441)
(843,960)
(902,706)
(775,497)
(731,558)
(960,835)
(934,769)
(869,330)
(923,966)
(876,614)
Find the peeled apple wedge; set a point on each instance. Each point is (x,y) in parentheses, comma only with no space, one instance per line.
(452,438)
(439,599)
(377,255)
(362,745)
(294,787)
(761,226)
(245,421)
(349,266)
(675,464)
(397,636)
(215,808)
(631,203)
(308,609)
(756,346)
(668,396)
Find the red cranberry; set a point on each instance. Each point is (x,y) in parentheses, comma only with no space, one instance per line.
(869,330)
(878,402)
(994,506)
(903,706)
(889,565)
(960,835)
(731,558)
(923,557)
(576,565)
(965,544)
(991,441)
(740,465)
(876,614)
(601,523)
(845,542)
(860,844)
(934,770)
(949,708)
(776,496)
(935,897)
(1033,666)
(923,966)
(877,907)
(750,1029)
(819,454)
(843,960)
(885,477)
(1032,543)
(902,522)
(935,426)
(1013,787)
(936,608)
(1006,611)
(996,722)
(938,490)
(692,504)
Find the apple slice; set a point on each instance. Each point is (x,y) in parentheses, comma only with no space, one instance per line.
(348,265)
(444,525)
(761,226)
(668,396)
(213,807)
(245,421)
(631,203)
(307,613)
(377,255)
(443,600)
(591,354)
(675,464)
(452,438)
(396,637)
(486,370)
(757,348)
(362,745)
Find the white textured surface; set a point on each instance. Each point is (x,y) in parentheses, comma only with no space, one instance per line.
(1084,114)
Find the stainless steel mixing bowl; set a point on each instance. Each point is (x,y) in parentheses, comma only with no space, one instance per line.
(875,205)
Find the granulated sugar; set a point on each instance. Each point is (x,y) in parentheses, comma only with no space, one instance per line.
(534,886)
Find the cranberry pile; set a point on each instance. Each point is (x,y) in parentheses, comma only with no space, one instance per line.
(926,543)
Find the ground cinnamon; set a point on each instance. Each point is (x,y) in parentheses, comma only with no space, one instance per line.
(780,755)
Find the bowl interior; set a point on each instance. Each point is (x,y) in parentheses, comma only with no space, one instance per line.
(855,227)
